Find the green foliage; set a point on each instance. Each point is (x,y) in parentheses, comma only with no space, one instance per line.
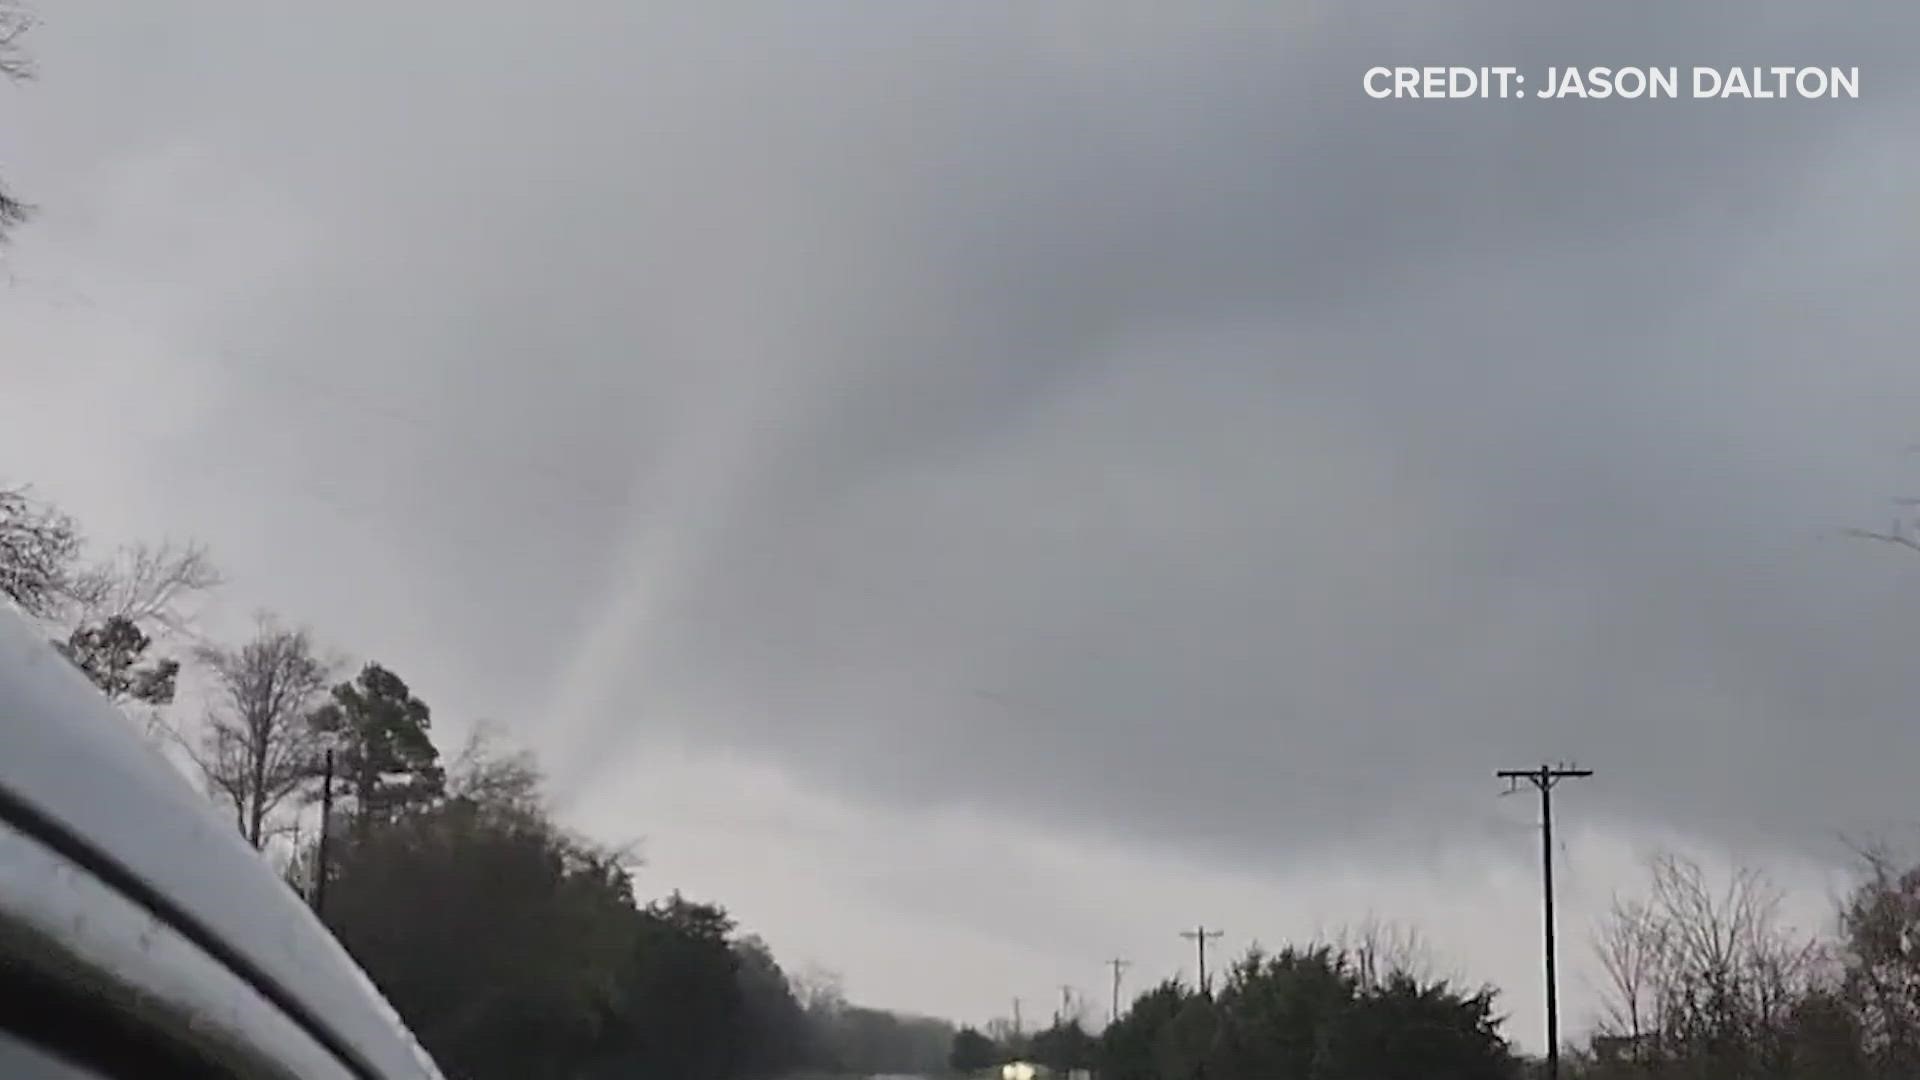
(771,1028)
(518,952)
(1306,1014)
(1127,1047)
(386,759)
(1404,1030)
(113,655)
(873,1041)
(1283,1009)
(494,936)
(1189,1044)
(1064,1046)
(972,1051)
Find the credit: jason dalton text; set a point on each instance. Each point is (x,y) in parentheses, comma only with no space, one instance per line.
(1777,83)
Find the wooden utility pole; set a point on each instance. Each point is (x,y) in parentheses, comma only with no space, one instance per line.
(1118,965)
(1544,778)
(326,824)
(1199,936)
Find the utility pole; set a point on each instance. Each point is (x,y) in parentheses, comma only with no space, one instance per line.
(326,822)
(1199,935)
(1016,1017)
(1118,965)
(1544,778)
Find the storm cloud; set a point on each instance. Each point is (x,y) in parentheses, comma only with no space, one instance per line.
(907,448)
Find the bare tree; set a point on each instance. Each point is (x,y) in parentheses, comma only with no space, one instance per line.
(1706,972)
(258,748)
(1380,949)
(820,992)
(146,584)
(1903,530)
(38,546)
(15,21)
(501,779)
(41,571)
(1880,930)
(1632,949)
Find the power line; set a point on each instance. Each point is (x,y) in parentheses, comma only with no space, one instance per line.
(1199,936)
(1544,778)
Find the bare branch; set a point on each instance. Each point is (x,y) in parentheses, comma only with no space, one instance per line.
(38,546)
(1895,536)
(1381,950)
(15,22)
(145,584)
(15,66)
(260,747)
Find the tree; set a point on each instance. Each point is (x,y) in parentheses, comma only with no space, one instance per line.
(15,21)
(38,543)
(972,1051)
(1632,949)
(772,1030)
(1127,1047)
(1190,1041)
(507,782)
(868,1041)
(146,584)
(1064,1047)
(1280,1008)
(1378,950)
(386,759)
(1705,976)
(516,951)
(113,656)
(680,996)
(1314,1013)
(41,569)
(108,606)
(498,938)
(821,993)
(259,746)
(1404,1029)
(1827,1041)
(1880,955)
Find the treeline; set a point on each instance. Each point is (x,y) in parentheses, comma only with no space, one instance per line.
(1325,1012)
(514,948)
(1704,980)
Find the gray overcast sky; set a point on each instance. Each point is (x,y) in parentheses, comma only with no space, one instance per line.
(980,487)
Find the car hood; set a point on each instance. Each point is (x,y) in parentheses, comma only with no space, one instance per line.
(71,758)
